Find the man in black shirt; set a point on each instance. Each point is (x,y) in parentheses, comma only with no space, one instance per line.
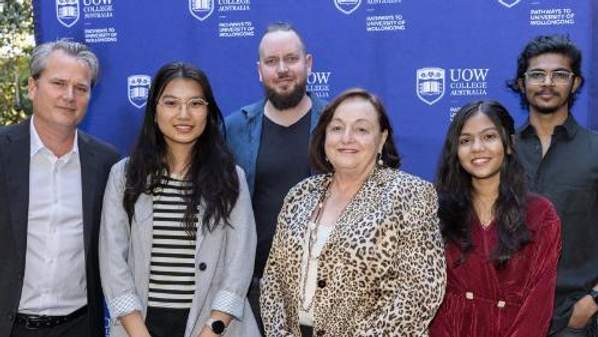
(561,160)
(270,138)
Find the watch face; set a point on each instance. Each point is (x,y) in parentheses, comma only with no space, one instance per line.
(218,327)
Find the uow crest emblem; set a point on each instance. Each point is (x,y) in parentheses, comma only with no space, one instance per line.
(430,84)
(201,9)
(509,3)
(67,12)
(138,89)
(347,6)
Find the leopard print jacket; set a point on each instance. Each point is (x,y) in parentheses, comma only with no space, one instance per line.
(382,271)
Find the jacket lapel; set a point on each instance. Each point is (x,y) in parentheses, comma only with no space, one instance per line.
(364,203)
(298,222)
(254,132)
(144,219)
(17,174)
(89,185)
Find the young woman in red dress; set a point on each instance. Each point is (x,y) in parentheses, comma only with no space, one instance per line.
(502,243)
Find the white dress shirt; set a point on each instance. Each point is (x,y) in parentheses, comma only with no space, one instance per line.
(54,282)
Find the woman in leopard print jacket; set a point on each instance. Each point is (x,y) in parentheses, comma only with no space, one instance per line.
(357,251)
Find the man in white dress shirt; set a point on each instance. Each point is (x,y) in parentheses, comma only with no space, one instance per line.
(52,180)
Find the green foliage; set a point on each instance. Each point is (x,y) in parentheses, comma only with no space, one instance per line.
(16,43)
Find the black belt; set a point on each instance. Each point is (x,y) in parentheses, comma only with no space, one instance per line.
(34,322)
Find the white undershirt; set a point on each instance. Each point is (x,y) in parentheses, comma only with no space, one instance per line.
(54,282)
(307,317)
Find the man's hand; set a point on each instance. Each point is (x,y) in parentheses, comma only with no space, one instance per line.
(583,310)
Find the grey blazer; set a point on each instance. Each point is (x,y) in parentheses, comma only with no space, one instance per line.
(226,254)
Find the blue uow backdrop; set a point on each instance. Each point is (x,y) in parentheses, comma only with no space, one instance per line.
(463,49)
(425,58)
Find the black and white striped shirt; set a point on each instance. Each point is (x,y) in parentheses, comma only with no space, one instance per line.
(172,271)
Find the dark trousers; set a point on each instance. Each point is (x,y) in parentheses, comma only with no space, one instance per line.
(306,331)
(253,296)
(588,331)
(166,322)
(78,327)
(570,332)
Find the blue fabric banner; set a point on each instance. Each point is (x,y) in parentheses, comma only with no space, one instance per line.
(425,58)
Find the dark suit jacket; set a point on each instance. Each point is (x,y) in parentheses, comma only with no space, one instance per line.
(96,160)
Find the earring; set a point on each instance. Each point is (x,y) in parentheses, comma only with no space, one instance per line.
(380,161)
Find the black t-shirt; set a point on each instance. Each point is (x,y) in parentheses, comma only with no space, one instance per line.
(282,162)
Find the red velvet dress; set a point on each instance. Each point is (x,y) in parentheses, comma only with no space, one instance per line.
(515,301)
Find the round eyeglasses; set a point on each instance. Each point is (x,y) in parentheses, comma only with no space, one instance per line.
(193,104)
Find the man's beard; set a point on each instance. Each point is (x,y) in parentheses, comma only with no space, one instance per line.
(286,101)
(548,110)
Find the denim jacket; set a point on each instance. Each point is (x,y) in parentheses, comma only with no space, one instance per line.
(244,130)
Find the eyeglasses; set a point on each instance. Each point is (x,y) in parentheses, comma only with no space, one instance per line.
(538,77)
(193,104)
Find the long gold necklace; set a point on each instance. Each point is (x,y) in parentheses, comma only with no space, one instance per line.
(312,237)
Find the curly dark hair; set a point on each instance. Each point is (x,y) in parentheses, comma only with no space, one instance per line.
(211,171)
(317,156)
(547,44)
(454,187)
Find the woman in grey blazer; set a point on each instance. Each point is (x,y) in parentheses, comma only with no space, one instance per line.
(177,239)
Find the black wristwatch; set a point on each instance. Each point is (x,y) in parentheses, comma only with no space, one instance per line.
(594,294)
(217,326)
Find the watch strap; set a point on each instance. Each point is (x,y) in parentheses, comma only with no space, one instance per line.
(217,326)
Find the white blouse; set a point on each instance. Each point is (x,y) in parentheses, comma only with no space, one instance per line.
(306,317)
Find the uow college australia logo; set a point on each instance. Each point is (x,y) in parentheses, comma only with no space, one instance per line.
(509,3)
(430,84)
(67,12)
(138,89)
(201,9)
(347,6)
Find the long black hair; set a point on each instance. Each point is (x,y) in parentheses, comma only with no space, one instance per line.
(454,187)
(211,172)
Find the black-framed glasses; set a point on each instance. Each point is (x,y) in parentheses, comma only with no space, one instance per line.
(557,77)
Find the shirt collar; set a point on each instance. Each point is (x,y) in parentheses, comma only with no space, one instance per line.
(527,129)
(567,129)
(37,144)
